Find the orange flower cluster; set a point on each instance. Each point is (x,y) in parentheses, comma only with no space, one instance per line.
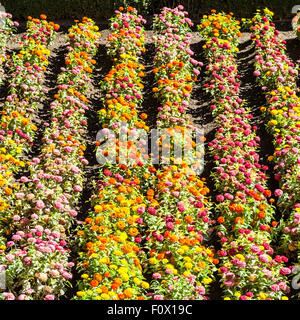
(181,264)
(110,263)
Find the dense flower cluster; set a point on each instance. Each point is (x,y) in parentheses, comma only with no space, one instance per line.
(178,219)
(36,259)
(7,27)
(26,92)
(111,261)
(244,206)
(149,230)
(277,75)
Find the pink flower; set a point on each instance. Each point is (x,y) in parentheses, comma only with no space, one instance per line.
(156,275)
(285,271)
(24,179)
(73,213)
(19,195)
(77,188)
(9,296)
(170,225)
(58,205)
(278,192)
(9,257)
(40,205)
(263,258)
(140,210)
(228,283)
(152,210)
(220,198)
(275,287)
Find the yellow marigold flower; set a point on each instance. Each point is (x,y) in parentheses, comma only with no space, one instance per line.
(188,265)
(113,266)
(152,260)
(118,253)
(145,285)
(262,296)
(207,280)
(104,260)
(272,122)
(104,296)
(180,251)
(240,257)
(123,237)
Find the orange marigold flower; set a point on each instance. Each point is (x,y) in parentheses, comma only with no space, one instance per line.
(104,289)
(114,287)
(188,219)
(98,277)
(221,219)
(118,281)
(121,224)
(144,116)
(238,208)
(94,283)
(133,232)
(274,223)
(261,214)
(239,220)
(127,248)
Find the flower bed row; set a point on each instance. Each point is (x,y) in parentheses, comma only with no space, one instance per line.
(26,92)
(180,261)
(37,259)
(244,207)
(110,263)
(27,75)
(277,74)
(7,27)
